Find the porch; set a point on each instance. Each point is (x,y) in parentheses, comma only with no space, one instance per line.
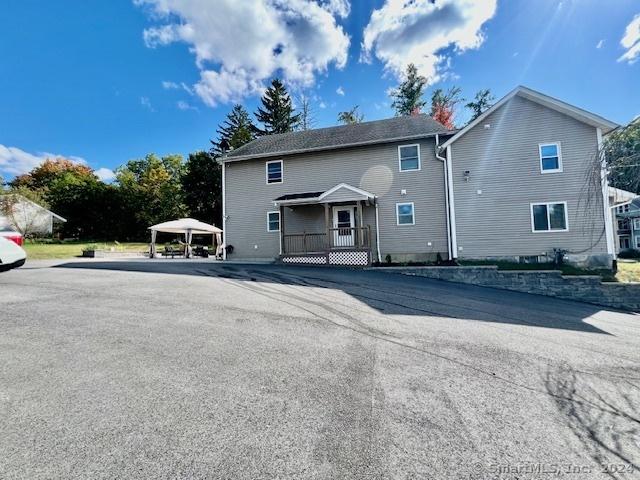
(327,228)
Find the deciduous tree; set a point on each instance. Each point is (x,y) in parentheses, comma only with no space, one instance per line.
(443,106)
(481,102)
(351,116)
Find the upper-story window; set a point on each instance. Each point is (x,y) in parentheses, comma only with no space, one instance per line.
(409,157)
(636,223)
(550,158)
(622,208)
(549,217)
(274,171)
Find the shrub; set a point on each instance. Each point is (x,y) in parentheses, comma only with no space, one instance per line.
(629,253)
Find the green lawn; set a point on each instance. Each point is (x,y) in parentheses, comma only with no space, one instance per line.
(45,251)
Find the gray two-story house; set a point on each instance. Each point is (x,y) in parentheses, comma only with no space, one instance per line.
(509,185)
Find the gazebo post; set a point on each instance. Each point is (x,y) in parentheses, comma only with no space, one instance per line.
(152,250)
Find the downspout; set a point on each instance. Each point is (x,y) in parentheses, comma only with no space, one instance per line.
(224,209)
(377,231)
(446,194)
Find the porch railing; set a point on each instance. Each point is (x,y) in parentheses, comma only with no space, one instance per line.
(336,239)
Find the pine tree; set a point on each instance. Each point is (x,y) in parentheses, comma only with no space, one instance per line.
(276,114)
(236,130)
(482,101)
(408,96)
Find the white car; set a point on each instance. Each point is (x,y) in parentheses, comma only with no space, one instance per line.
(11,255)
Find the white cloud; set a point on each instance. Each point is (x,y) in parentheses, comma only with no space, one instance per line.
(146,103)
(631,41)
(600,44)
(240,45)
(182,105)
(14,161)
(105,174)
(340,91)
(322,105)
(170,85)
(407,31)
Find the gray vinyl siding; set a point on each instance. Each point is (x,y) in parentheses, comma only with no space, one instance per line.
(504,164)
(371,168)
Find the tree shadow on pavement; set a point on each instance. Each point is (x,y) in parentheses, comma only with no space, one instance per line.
(603,412)
(389,294)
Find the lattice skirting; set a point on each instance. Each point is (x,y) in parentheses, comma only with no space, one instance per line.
(354,258)
(358,258)
(306,260)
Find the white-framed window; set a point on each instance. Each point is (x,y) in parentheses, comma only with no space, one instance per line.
(550,157)
(405,214)
(409,157)
(549,217)
(625,244)
(623,224)
(274,171)
(637,242)
(273,221)
(636,223)
(622,208)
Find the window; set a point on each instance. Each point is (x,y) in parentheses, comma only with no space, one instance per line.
(638,242)
(549,217)
(636,223)
(274,171)
(273,221)
(404,214)
(625,244)
(550,158)
(622,208)
(409,157)
(623,224)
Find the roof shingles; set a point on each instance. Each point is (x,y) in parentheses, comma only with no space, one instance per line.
(379,131)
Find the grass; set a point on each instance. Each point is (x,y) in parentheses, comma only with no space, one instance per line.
(628,270)
(49,250)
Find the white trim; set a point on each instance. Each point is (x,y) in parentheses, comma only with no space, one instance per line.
(608,217)
(636,223)
(550,102)
(378,234)
(550,230)
(348,187)
(224,212)
(637,242)
(446,196)
(268,221)
(452,204)
(413,214)
(400,147)
(266,170)
(559,155)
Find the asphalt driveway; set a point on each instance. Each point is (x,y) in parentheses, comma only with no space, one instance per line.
(174,369)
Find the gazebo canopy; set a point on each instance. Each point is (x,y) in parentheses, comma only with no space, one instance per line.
(184,225)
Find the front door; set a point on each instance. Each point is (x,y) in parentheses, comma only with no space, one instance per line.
(343,224)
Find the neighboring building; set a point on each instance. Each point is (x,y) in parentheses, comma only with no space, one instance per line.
(509,185)
(628,225)
(26,216)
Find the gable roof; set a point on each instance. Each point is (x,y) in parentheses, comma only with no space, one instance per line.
(357,134)
(321,197)
(34,204)
(544,100)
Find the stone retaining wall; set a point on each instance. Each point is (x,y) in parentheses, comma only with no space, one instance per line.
(552,283)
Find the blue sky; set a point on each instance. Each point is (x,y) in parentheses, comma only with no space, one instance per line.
(103,82)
